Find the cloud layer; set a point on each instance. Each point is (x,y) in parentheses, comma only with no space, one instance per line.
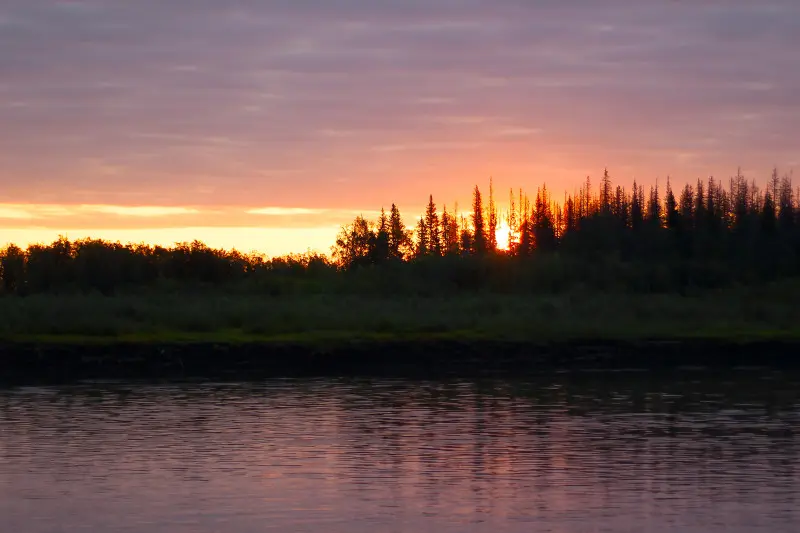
(341,103)
(94,216)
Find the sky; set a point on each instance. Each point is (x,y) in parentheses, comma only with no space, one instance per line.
(266,124)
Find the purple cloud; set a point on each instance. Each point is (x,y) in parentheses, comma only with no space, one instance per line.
(281,103)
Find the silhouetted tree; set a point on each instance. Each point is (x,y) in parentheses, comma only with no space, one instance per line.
(707,237)
(544,234)
(526,227)
(423,238)
(686,205)
(786,215)
(570,216)
(654,207)
(466,237)
(769,222)
(379,245)
(434,244)
(637,206)
(671,207)
(49,267)
(12,263)
(479,241)
(621,207)
(700,215)
(513,224)
(449,233)
(352,246)
(398,235)
(491,217)
(605,193)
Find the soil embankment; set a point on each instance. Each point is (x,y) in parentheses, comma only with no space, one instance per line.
(52,362)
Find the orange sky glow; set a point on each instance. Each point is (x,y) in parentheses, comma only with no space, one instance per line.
(266,127)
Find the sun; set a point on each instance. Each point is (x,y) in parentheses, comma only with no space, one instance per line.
(501,234)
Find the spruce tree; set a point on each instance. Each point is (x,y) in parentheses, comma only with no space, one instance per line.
(671,206)
(637,209)
(479,241)
(433,240)
(605,193)
(398,236)
(513,228)
(491,234)
(422,238)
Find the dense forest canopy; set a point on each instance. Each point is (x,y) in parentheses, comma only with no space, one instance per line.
(700,235)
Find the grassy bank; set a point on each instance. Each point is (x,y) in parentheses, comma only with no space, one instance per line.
(741,313)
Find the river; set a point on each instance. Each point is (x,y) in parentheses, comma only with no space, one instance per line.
(688,452)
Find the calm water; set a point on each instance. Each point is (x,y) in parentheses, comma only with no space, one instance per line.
(613,452)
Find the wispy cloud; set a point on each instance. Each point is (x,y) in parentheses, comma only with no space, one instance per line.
(299,213)
(138,211)
(34,211)
(44,211)
(15,213)
(284,211)
(282,101)
(56,216)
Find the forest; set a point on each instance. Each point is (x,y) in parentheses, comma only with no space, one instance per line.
(702,236)
(708,260)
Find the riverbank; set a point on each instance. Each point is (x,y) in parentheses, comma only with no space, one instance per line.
(221,315)
(213,333)
(50,361)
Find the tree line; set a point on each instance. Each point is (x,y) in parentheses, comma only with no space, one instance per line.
(701,235)
(705,220)
(99,265)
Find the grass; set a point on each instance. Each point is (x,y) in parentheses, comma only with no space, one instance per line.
(735,314)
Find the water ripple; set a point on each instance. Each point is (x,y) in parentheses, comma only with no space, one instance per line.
(599,453)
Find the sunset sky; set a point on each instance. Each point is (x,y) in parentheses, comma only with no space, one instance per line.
(266,124)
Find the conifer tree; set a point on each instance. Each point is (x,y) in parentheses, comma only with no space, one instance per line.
(713,215)
(544,234)
(769,222)
(586,196)
(774,185)
(434,245)
(671,206)
(479,241)
(513,228)
(686,205)
(422,232)
(398,235)
(449,232)
(570,216)
(654,207)
(491,237)
(699,215)
(786,215)
(605,193)
(620,206)
(526,226)
(637,207)
(379,247)
(466,237)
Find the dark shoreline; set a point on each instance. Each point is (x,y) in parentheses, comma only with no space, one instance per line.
(35,363)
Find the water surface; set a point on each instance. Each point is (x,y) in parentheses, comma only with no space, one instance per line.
(568,453)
